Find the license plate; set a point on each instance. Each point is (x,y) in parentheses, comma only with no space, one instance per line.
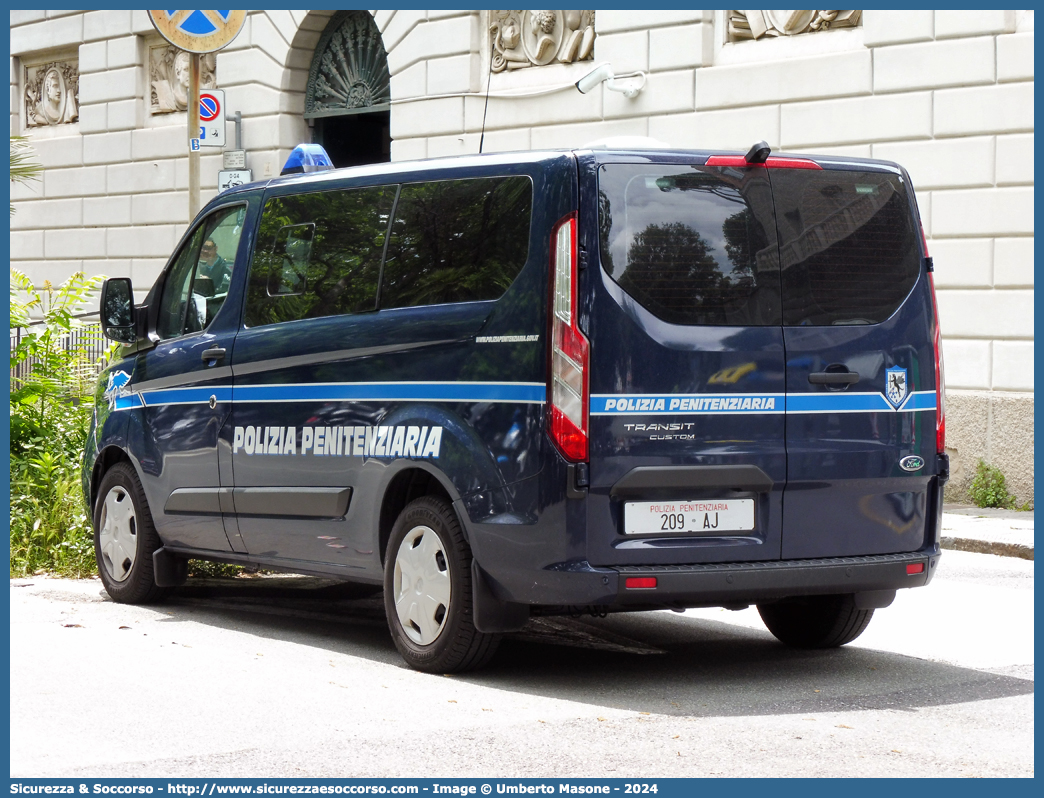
(704,517)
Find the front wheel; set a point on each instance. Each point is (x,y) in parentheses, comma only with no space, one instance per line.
(125,538)
(427,591)
(815,621)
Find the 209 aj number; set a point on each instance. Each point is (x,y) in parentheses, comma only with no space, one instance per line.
(672,521)
(640,788)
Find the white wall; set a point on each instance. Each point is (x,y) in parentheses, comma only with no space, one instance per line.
(949,94)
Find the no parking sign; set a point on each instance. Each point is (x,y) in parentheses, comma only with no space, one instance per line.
(212,118)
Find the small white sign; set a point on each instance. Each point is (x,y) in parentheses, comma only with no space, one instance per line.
(212,118)
(194,145)
(229,178)
(233,159)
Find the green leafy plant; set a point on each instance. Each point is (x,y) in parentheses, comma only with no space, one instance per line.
(989,488)
(52,376)
(202,568)
(50,527)
(23,168)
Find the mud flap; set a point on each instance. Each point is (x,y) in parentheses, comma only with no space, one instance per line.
(492,615)
(168,570)
(874,599)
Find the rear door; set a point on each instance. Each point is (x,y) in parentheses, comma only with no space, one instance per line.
(860,361)
(683,310)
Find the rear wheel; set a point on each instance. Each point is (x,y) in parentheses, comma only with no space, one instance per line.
(125,538)
(427,591)
(815,621)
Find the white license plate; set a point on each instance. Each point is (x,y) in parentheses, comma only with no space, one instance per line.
(703,517)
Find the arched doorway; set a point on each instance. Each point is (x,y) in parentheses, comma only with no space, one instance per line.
(348,99)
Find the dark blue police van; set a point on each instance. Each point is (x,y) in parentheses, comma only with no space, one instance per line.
(537,383)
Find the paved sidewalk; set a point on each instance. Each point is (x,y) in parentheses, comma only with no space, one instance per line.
(1008,533)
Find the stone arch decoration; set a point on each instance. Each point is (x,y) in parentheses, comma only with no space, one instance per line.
(169,77)
(535,38)
(52,94)
(756,24)
(349,69)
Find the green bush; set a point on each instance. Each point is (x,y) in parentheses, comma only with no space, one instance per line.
(50,526)
(989,489)
(51,403)
(200,568)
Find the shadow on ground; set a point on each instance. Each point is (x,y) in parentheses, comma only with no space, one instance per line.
(646,662)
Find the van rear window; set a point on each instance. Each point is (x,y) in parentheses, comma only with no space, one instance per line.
(848,245)
(457,240)
(691,244)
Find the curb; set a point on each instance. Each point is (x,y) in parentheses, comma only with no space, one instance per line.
(1020,550)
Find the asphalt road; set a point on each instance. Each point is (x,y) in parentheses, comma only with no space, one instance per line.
(267,678)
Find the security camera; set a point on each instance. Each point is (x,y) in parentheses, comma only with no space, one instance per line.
(604,73)
(593,78)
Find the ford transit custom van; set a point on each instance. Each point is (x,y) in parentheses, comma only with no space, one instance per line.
(539,383)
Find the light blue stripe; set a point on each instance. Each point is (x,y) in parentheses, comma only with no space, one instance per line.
(922,400)
(838,403)
(684,404)
(715,404)
(128,402)
(184,396)
(511,392)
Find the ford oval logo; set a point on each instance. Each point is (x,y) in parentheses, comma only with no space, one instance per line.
(912,463)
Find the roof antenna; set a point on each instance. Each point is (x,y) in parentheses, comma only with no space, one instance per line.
(489,77)
(759,153)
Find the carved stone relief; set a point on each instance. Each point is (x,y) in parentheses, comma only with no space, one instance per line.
(756,24)
(535,38)
(350,67)
(52,93)
(169,77)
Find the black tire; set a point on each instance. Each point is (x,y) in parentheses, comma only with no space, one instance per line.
(447,641)
(134,584)
(815,621)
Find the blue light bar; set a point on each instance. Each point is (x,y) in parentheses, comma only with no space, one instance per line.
(307,158)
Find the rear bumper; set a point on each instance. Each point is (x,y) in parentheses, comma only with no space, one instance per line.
(754,582)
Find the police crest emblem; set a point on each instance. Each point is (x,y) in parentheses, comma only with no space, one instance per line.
(117,387)
(896,385)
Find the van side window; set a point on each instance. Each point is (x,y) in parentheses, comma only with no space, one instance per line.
(197,284)
(295,243)
(318,254)
(457,241)
(689,243)
(848,245)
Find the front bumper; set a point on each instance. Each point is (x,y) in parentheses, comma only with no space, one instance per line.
(752,582)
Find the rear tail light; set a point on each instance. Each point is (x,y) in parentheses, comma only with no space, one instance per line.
(640,582)
(915,568)
(773,162)
(940,371)
(567,382)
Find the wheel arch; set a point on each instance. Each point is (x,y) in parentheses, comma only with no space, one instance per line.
(107,458)
(407,484)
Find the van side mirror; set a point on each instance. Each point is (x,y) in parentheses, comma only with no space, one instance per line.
(117,310)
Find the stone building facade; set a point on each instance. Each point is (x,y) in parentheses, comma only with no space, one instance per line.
(949,94)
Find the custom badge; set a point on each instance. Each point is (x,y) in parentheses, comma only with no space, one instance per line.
(895,385)
(116,387)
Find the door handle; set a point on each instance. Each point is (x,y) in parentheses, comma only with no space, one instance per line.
(834,377)
(215,353)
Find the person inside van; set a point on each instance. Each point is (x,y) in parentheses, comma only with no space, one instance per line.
(214,266)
